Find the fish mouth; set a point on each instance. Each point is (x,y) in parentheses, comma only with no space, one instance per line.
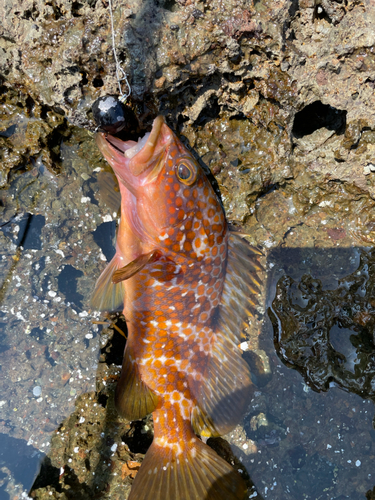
(135,158)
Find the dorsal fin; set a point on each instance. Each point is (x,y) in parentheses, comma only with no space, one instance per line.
(225,392)
(241,287)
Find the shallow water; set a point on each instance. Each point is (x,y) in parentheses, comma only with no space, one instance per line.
(49,346)
(56,235)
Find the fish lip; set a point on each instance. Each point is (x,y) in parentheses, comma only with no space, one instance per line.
(115,150)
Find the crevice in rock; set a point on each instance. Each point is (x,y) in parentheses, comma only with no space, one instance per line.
(318,115)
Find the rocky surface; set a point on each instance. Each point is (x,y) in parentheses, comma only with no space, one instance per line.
(276,99)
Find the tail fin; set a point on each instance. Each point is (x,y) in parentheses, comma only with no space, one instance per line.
(197,473)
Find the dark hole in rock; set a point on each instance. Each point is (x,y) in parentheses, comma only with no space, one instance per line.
(102,400)
(48,476)
(320,13)
(84,78)
(97,82)
(67,284)
(76,6)
(104,236)
(208,113)
(37,333)
(137,438)
(114,350)
(170,5)
(318,115)
(49,358)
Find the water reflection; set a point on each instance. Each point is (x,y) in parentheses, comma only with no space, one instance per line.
(293,443)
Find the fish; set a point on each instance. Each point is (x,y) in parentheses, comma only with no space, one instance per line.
(187,285)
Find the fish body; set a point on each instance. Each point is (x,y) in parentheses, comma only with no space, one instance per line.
(179,274)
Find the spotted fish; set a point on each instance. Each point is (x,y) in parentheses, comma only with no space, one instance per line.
(187,286)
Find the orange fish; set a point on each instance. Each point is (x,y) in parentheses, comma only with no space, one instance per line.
(187,285)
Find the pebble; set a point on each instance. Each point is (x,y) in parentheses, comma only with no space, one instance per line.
(37,391)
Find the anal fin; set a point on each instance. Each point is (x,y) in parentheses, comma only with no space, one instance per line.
(108,296)
(134,400)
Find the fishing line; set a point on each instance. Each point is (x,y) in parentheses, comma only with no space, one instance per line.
(110,113)
(120,73)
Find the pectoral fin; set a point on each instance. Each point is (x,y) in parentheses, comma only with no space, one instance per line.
(108,296)
(134,267)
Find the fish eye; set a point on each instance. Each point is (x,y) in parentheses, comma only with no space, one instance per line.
(186,172)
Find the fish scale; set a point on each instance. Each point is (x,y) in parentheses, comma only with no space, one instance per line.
(181,360)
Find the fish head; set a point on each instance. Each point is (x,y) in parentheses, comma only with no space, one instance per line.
(166,196)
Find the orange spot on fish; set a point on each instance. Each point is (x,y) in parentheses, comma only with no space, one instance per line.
(187,246)
(204,316)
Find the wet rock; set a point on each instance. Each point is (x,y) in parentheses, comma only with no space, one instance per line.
(327,334)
